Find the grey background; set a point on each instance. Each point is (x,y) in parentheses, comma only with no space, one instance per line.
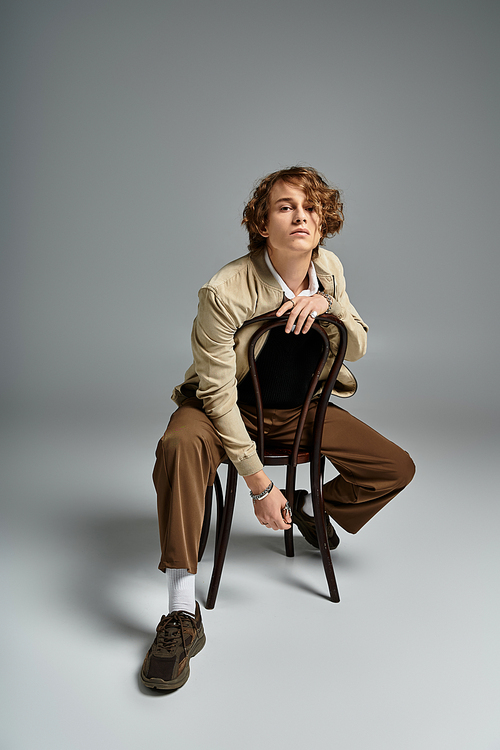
(132,134)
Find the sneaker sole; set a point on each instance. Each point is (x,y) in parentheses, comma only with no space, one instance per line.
(156,683)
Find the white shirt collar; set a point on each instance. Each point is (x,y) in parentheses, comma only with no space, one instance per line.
(313,280)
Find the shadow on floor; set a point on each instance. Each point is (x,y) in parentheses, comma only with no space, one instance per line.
(112,545)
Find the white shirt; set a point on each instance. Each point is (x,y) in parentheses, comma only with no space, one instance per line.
(313,281)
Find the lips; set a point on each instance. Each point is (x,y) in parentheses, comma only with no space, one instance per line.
(300,231)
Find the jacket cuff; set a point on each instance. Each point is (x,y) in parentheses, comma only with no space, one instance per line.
(247,466)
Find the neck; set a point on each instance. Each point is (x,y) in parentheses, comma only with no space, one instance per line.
(293,271)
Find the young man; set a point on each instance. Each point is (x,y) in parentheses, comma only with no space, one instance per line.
(289,215)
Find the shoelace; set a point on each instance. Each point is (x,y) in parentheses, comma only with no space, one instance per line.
(168,633)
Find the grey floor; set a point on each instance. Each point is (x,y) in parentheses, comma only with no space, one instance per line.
(131,135)
(408,659)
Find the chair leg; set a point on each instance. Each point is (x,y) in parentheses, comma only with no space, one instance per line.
(290,496)
(206,522)
(220,507)
(221,546)
(319,519)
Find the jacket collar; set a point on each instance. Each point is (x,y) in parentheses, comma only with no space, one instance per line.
(260,265)
(325,276)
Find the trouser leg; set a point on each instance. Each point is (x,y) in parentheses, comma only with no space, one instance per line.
(187,458)
(372,469)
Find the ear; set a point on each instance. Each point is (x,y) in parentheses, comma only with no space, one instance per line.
(263,232)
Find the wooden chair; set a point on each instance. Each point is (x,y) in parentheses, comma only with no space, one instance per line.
(278,455)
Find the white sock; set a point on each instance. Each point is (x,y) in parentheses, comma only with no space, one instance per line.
(181,594)
(308,505)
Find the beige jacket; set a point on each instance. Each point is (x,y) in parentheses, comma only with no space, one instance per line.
(240,291)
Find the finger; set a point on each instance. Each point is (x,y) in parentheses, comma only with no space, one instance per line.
(301,320)
(279,524)
(286,306)
(292,318)
(308,323)
(276,525)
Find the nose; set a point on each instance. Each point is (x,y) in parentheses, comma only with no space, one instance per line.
(300,215)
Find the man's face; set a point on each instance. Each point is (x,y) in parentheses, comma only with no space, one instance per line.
(293,226)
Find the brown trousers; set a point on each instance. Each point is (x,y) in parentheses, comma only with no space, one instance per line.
(372,470)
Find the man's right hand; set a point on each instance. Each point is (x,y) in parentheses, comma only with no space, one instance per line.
(269,509)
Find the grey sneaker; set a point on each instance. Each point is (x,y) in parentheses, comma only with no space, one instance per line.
(306,525)
(178,638)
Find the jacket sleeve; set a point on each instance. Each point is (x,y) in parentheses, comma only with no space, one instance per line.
(212,341)
(356,328)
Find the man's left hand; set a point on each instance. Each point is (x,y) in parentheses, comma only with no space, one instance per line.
(300,309)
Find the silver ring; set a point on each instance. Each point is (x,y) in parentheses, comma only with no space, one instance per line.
(314,314)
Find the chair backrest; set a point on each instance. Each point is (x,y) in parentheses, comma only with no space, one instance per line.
(269,321)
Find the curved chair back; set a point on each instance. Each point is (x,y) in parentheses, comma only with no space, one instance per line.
(270,321)
(283,455)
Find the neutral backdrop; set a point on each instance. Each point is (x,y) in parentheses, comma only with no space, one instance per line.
(132,133)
